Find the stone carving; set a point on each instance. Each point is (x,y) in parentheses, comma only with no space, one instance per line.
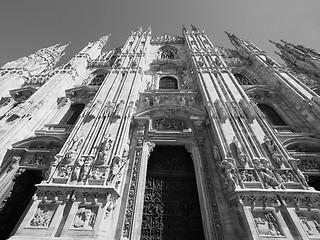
(229,173)
(242,157)
(64,171)
(303,179)
(264,169)
(233,109)
(103,153)
(168,124)
(116,169)
(310,223)
(37,159)
(14,163)
(129,109)
(167,38)
(273,149)
(132,192)
(85,168)
(43,216)
(76,172)
(76,143)
(97,174)
(110,205)
(70,157)
(247,176)
(85,218)
(108,108)
(119,109)
(309,165)
(266,224)
(247,109)
(221,110)
(286,176)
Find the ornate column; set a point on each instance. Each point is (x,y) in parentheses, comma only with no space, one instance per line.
(134,209)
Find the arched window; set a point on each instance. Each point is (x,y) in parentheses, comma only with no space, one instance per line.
(97,80)
(167,52)
(272,116)
(168,83)
(243,80)
(72,114)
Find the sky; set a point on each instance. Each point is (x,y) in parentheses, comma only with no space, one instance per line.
(26,26)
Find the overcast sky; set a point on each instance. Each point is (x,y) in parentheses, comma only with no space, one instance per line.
(27,25)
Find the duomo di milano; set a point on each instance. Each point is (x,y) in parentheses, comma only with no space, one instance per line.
(165,138)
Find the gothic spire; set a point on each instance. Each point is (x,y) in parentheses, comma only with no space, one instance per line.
(103,40)
(234,39)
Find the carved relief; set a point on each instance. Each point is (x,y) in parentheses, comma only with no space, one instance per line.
(85,218)
(247,109)
(168,124)
(266,224)
(264,168)
(310,222)
(247,175)
(43,215)
(116,170)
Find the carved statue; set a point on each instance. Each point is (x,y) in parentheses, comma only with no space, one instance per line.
(119,109)
(86,168)
(246,176)
(229,172)
(105,146)
(76,172)
(264,168)
(116,168)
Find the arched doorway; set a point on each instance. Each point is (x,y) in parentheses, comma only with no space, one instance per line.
(168,83)
(171,204)
(272,116)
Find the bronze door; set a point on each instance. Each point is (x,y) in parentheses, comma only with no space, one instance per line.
(171,205)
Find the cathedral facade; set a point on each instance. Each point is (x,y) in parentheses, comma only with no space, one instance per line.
(166,137)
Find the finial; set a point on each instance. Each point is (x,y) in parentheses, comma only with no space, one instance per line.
(194,28)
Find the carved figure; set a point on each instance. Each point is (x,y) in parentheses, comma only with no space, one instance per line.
(264,167)
(300,175)
(85,168)
(84,219)
(229,173)
(267,225)
(119,109)
(76,172)
(246,176)
(42,217)
(116,167)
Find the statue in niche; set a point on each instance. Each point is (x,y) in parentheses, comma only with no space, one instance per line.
(105,146)
(76,172)
(267,224)
(42,217)
(119,109)
(85,168)
(149,86)
(116,168)
(84,219)
(229,173)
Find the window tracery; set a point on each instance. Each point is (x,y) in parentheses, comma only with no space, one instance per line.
(167,52)
(168,83)
(98,80)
